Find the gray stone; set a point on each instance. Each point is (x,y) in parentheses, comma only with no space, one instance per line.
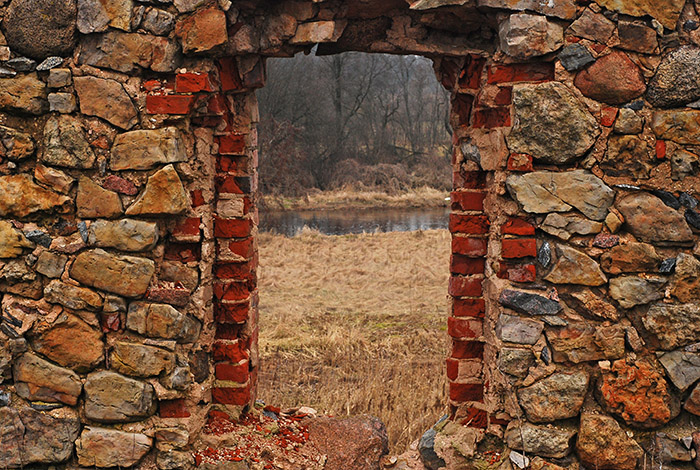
(545,441)
(174,460)
(559,396)
(123,234)
(627,155)
(63,103)
(158,22)
(684,164)
(515,361)
(630,291)
(531,304)
(544,254)
(58,78)
(128,276)
(71,296)
(21,64)
(41,28)
(551,124)
(39,380)
(650,220)
(113,398)
(683,368)
(668,323)
(106,99)
(146,149)
(139,360)
(97,15)
(513,329)
(544,191)
(104,448)
(65,144)
(49,63)
(566,226)
(161,321)
(524,36)
(693,218)
(628,122)
(125,52)
(574,267)
(575,57)
(426,449)
(675,82)
(178,379)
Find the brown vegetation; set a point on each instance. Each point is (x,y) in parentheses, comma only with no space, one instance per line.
(356,324)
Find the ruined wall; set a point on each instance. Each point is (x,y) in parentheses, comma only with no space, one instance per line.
(127,222)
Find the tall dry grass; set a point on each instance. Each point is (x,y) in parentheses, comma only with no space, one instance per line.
(356,324)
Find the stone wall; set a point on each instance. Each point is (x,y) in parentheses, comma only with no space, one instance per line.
(127,222)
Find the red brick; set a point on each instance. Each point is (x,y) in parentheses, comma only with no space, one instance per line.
(504,97)
(608,115)
(467,200)
(192,82)
(231,144)
(228,185)
(233,372)
(151,85)
(189,227)
(217,106)
(197,198)
(518,273)
(467,349)
(470,76)
(229,352)
(228,331)
(491,117)
(470,224)
(466,392)
(468,246)
(240,271)
(475,418)
(534,72)
(173,409)
(465,286)
(120,185)
(464,327)
(231,313)
(231,290)
(452,368)
(448,71)
(462,108)
(184,252)
(469,179)
(232,164)
(244,248)
(228,73)
(465,265)
(169,104)
(518,247)
(232,228)
(517,227)
(231,396)
(475,308)
(521,162)
(660,149)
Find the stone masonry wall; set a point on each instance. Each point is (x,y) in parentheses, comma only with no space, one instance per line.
(128,159)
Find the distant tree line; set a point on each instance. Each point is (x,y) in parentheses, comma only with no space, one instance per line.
(353,119)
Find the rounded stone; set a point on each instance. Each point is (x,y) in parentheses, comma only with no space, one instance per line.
(675,82)
(612,79)
(41,28)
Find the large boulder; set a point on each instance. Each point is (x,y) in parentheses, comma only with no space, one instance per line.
(559,396)
(68,341)
(41,28)
(124,275)
(652,221)
(113,398)
(675,82)
(104,448)
(604,445)
(612,79)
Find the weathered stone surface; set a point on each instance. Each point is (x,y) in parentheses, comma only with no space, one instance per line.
(125,51)
(558,396)
(24,94)
(545,191)
(612,79)
(174,460)
(53,178)
(65,144)
(674,84)
(113,398)
(684,164)
(68,341)
(665,12)
(686,282)
(575,56)
(355,443)
(551,124)
(145,149)
(582,342)
(63,103)
(593,26)
(679,125)
(106,99)
(20,197)
(123,234)
(164,194)
(524,36)
(93,201)
(12,241)
(650,220)
(97,15)
(637,393)
(546,441)
(103,448)
(12,437)
(15,145)
(631,258)
(566,226)
(565,9)
(39,380)
(73,297)
(692,403)
(515,361)
(628,122)
(51,264)
(161,321)
(637,36)
(140,360)
(158,22)
(514,329)
(124,275)
(317,32)
(603,444)
(202,31)
(574,267)
(595,305)
(531,304)
(668,323)
(630,291)
(40,28)
(184,6)
(683,368)
(40,446)
(627,155)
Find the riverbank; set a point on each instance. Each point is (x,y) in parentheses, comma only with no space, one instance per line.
(355,324)
(424,197)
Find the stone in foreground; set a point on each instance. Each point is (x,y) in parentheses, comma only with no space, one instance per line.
(124,275)
(559,396)
(103,448)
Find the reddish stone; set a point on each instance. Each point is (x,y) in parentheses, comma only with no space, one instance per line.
(518,273)
(447,71)
(470,224)
(232,228)
(520,162)
(469,179)
(518,247)
(231,290)
(467,246)
(462,108)
(239,271)
(467,349)
(598,47)
(229,351)
(533,72)
(660,149)
(467,201)
(231,313)
(184,252)
(232,144)
(217,106)
(187,228)
(475,418)
(464,265)
(228,74)
(243,248)
(517,227)
(255,76)
(460,392)
(203,30)
(465,286)
(469,308)
(110,322)
(239,373)
(460,327)
(608,115)
(173,409)
(101,143)
(491,117)
(120,185)
(169,104)
(192,82)
(612,79)
(470,76)
(197,198)
(231,396)
(606,240)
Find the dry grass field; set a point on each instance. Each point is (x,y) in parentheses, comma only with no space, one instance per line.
(355,324)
